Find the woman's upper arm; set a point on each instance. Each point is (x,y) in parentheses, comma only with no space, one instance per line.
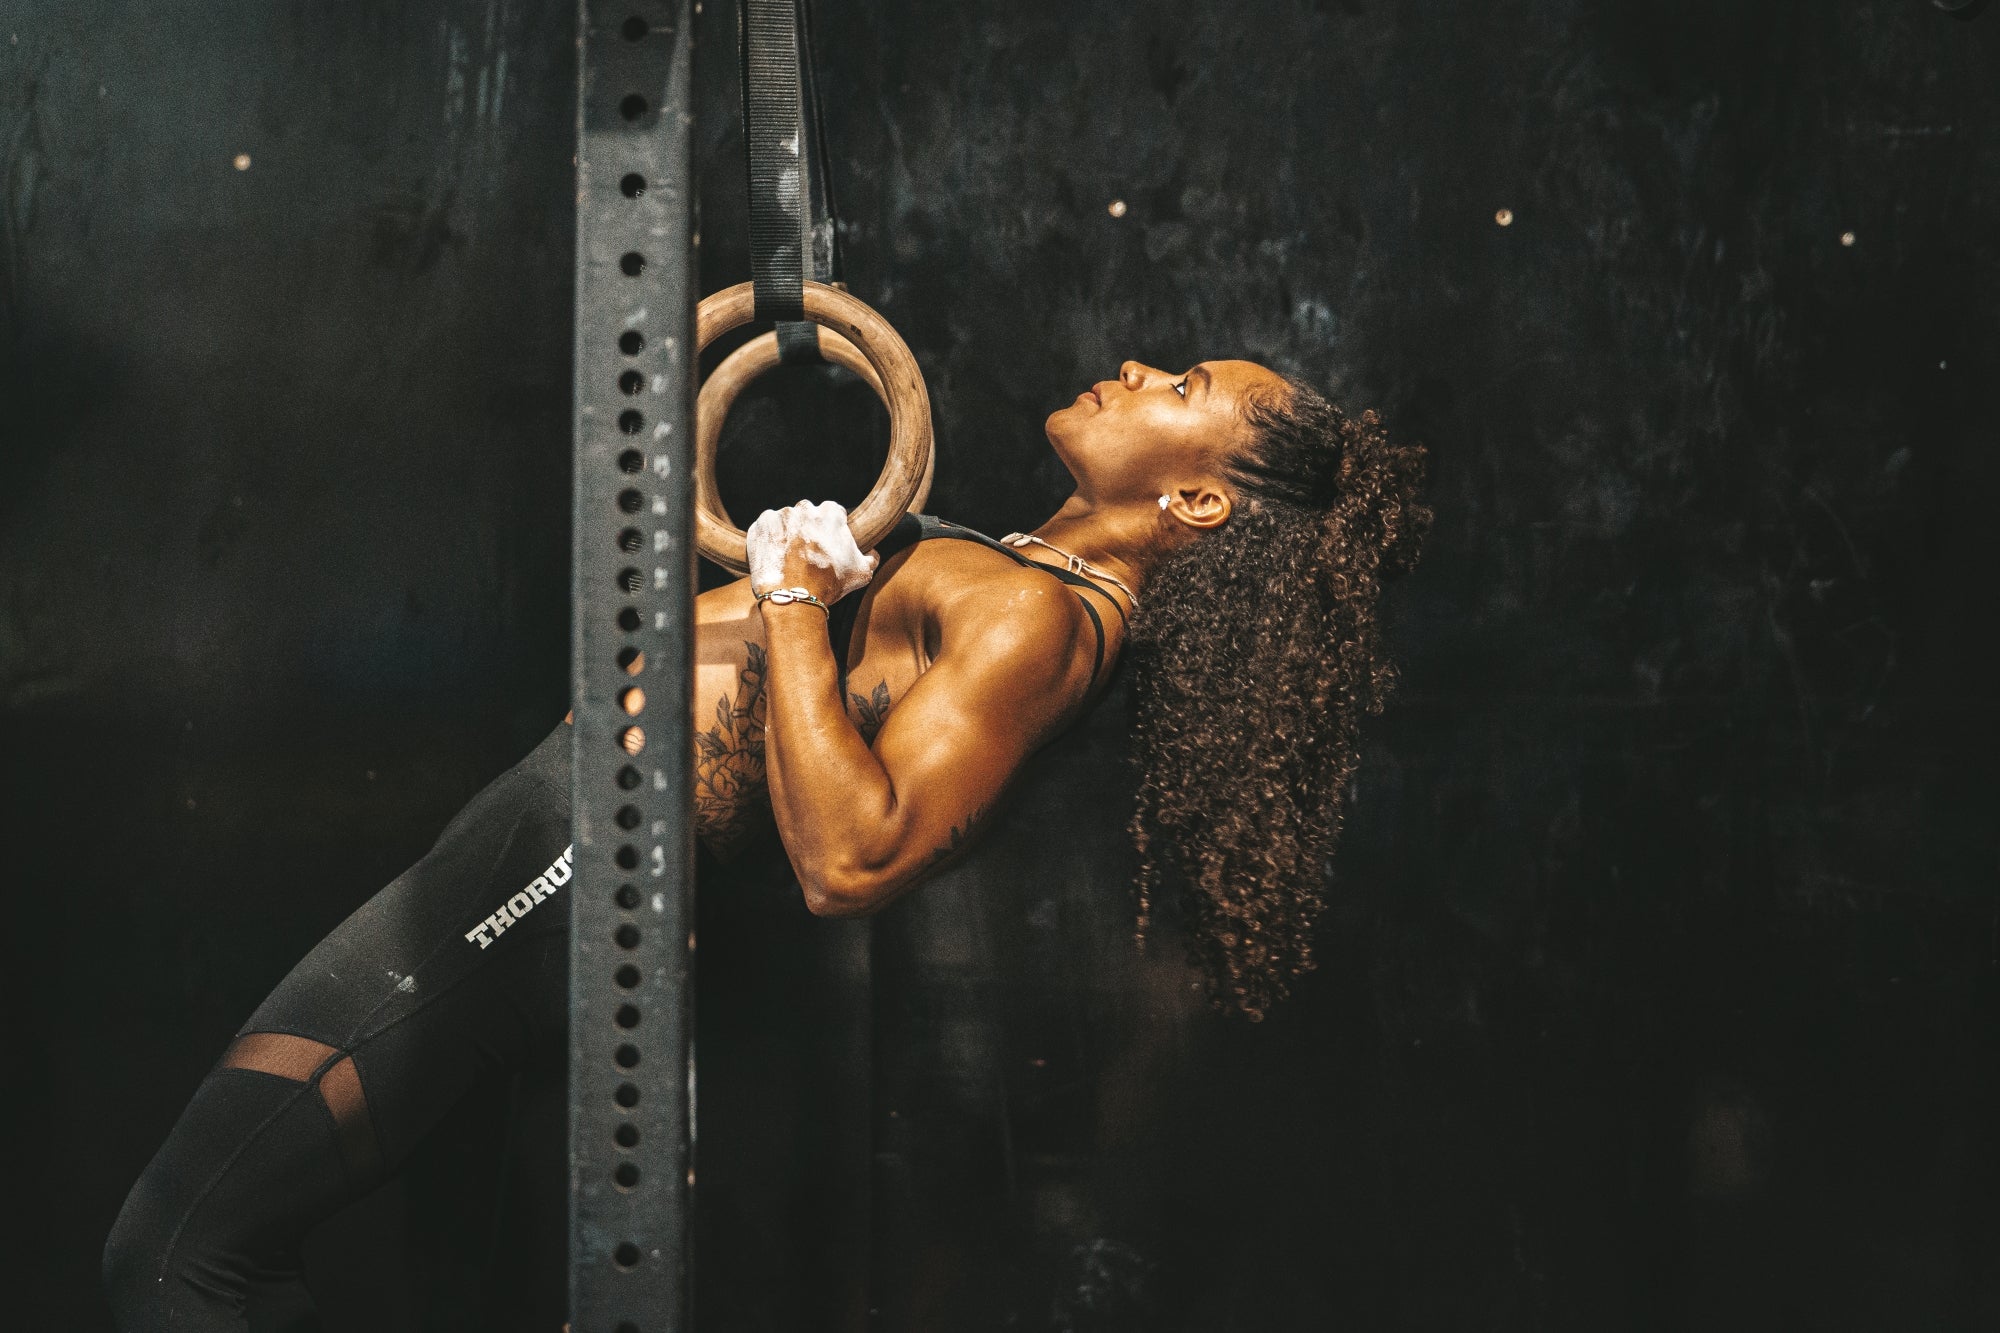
(959,734)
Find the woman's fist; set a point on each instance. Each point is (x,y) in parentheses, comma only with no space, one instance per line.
(807,545)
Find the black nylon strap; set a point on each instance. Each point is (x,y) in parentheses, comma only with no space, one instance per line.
(798,343)
(791,222)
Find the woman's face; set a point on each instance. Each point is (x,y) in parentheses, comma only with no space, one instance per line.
(1150,432)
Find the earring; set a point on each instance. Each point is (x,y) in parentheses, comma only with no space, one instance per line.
(1163,501)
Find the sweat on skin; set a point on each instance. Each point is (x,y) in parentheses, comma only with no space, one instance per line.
(541,886)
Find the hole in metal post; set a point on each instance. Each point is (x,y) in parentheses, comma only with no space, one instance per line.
(627,1016)
(633,184)
(628,776)
(631,422)
(627,936)
(627,1095)
(627,857)
(627,1135)
(631,501)
(628,898)
(629,620)
(633,263)
(635,28)
(633,701)
(627,1056)
(628,816)
(631,581)
(626,1174)
(633,107)
(631,661)
(631,342)
(630,540)
(626,1255)
(631,461)
(627,977)
(631,382)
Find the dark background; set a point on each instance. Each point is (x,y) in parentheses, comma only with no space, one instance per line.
(1660,989)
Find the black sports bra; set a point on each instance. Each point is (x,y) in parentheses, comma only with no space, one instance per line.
(913,528)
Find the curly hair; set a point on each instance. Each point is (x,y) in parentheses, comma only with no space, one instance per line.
(1255,657)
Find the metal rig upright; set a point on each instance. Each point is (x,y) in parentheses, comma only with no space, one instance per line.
(631,1076)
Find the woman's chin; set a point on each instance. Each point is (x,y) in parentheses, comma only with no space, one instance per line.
(1060,439)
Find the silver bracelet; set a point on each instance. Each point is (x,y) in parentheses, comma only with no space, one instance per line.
(783,596)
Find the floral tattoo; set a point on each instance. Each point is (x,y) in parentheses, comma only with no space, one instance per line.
(873,708)
(729,792)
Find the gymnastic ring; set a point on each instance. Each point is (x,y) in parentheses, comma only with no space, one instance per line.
(730,378)
(884,359)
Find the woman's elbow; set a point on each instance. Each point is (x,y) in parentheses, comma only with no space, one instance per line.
(851,892)
(822,903)
(832,892)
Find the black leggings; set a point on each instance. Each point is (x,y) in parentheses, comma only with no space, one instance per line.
(459,965)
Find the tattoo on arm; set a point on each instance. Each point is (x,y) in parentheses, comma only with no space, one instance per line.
(873,708)
(730,795)
(729,792)
(957,840)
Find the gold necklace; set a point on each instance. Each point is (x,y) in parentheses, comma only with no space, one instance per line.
(1077,564)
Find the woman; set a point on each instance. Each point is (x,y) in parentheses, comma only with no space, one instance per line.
(1254,520)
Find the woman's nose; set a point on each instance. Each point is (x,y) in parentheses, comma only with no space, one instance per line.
(1132,374)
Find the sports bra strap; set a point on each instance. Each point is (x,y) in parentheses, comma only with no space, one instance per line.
(945,528)
(913,528)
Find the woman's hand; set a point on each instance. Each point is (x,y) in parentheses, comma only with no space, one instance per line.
(808,546)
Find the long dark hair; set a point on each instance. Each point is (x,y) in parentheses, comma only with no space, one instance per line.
(1256,654)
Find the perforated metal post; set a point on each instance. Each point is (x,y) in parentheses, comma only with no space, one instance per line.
(632,907)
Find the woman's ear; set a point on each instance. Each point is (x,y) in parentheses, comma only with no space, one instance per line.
(1197,506)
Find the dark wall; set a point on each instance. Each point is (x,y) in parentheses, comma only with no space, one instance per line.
(1660,985)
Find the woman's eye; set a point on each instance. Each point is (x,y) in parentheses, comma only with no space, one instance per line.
(1181,388)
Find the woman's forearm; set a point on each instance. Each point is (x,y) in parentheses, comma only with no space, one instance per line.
(830,796)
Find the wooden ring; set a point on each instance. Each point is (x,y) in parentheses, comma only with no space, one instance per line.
(730,378)
(851,335)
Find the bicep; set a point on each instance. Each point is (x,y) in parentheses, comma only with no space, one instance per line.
(959,735)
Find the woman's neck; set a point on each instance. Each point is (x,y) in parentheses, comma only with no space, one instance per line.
(1111,539)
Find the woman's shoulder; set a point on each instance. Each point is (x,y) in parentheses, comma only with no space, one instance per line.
(986,604)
